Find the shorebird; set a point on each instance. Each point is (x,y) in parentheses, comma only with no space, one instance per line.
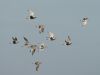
(14,40)
(41,28)
(37,63)
(31,15)
(26,42)
(84,21)
(42,46)
(68,41)
(51,36)
(33,49)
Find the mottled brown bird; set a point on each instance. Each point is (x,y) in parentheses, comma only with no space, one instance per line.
(33,49)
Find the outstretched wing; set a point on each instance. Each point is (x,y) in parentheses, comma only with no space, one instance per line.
(14,38)
(26,39)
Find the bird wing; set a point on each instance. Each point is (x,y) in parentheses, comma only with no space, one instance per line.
(31,13)
(16,38)
(37,67)
(13,38)
(69,38)
(33,51)
(51,34)
(26,39)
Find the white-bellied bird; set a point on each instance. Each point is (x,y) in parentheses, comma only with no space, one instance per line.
(51,36)
(84,21)
(31,15)
(68,41)
(15,40)
(26,42)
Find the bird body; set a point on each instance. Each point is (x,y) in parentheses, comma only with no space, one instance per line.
(27,44)
(51,36)
(33,48)
(15,40)
(41,28)
(68,41)
(42,46)
(37,63)
(84,21)
(31,14)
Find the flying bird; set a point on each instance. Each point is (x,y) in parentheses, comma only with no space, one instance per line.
(41,28)
(84,21)
(14,40)
(33,49)
(68,41)
(37,63)
(51,36)
(26,42)
(42,46)
(31,15)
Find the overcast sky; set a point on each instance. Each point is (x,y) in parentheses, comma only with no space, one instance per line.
(61,17)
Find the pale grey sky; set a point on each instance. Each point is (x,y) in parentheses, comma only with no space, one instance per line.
(61,17)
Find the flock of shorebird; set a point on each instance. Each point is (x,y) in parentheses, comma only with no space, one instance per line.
(51,37)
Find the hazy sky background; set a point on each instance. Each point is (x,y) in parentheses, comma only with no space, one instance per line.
(61,17)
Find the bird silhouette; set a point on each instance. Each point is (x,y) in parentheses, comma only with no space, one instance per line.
(14,40)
